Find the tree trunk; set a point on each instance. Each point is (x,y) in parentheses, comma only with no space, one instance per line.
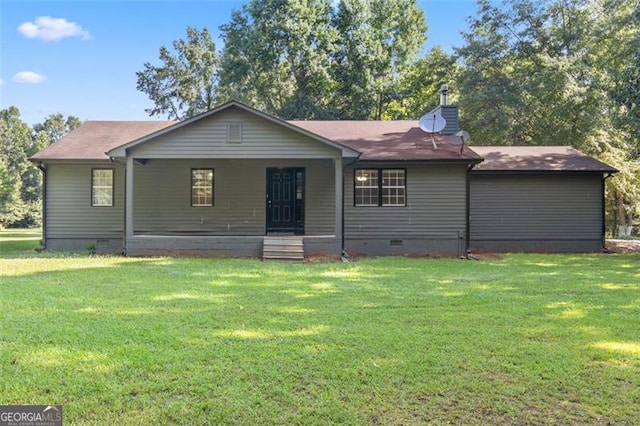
(620,217)
(629,222)
(624,218)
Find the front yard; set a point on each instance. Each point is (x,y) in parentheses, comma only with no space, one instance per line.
(523,339)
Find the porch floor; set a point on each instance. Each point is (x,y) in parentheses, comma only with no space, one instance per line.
(209,244)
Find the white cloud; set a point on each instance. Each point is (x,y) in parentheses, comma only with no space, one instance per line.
(1,82)
(52,29)
(29,77)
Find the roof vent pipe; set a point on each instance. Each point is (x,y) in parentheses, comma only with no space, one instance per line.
(443,94)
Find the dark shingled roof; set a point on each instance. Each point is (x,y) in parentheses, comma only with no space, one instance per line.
(389,140)
(92,139)
(537,159)
(376,140)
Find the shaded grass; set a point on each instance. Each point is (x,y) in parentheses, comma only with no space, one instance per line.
(526,339)
(19,242)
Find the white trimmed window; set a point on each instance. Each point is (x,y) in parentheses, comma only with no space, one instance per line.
(393,187)
(102,187)
(201,187)
(380,187)
(366,187)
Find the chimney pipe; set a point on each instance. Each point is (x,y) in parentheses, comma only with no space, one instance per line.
(443,94)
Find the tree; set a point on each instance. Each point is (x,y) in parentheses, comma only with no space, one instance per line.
(378,41)
(20,180)
(616,53)
(421,85)
(524,79)
(617,41)
(15,139)
(297,59)
(9,198)
(53,128)
(277,56)
(185,84)
(547,73)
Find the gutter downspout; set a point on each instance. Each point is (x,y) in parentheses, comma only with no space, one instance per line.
(604,212)
(343,252)
(468,211)
(43,169)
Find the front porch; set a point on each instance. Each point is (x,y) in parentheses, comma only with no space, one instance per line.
(161,219)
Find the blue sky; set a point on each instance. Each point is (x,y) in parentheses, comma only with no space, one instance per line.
(80,57)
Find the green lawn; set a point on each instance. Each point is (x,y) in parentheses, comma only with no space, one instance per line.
(529,339)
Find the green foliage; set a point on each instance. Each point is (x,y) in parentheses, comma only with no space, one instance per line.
(620,28)
(10,201)
(528,339)
(53,128)
(558,72)
(524,80)
(277,56)
(20,180)
(185,84)
(378,42)
(15,141)
(421,85)
(297,59)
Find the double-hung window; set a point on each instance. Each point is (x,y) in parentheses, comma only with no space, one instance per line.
(202,187)
(102,187)
(380,187)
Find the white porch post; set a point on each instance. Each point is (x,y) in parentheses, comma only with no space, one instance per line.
(339,187)
(128,203)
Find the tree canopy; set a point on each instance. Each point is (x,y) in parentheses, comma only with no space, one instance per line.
(20,180)
(185,84)
(557,72)
(544,72)
(297,59)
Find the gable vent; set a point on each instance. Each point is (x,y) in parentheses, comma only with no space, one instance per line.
(234,132)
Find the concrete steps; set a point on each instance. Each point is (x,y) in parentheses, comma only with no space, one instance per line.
(283,248)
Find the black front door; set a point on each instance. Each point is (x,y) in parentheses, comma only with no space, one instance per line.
(285,200)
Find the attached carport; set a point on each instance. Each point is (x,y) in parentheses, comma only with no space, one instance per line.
(537,199)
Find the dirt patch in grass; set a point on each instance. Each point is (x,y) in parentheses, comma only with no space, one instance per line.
(623,246)
(488,256)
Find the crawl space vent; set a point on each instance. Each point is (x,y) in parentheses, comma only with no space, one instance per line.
(395,243)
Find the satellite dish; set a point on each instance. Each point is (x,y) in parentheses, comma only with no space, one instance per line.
(463,136)
(432,123)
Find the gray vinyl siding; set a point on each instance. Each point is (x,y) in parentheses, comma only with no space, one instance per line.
(69,211)
(513,212)
(261,138)
(434,214)
(162,197)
